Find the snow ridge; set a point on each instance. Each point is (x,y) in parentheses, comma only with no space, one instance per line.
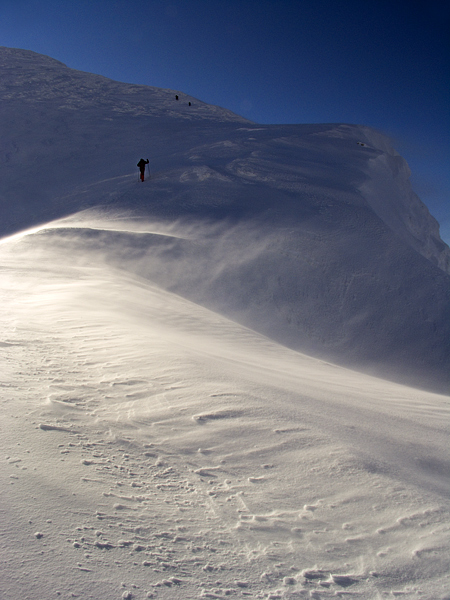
(24,73)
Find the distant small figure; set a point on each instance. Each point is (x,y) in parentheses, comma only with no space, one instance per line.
(141,164)
(189,104)
(176,97)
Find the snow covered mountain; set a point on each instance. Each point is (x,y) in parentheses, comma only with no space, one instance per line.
(181,417)
(309,234)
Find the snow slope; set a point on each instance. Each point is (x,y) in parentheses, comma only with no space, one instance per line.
(152,448)
(174,420)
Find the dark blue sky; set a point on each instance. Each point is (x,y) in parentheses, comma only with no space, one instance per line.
(383,63)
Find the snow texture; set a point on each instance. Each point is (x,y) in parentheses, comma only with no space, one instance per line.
(228,381)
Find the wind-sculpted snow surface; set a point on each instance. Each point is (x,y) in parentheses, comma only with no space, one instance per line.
(154,449)
(175,424)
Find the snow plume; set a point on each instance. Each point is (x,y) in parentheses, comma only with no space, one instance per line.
(276,280)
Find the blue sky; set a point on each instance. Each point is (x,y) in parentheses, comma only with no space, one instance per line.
(383,63)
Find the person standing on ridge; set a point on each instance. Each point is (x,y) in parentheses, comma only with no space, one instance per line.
(141,164)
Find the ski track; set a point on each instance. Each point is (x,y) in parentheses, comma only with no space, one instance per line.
(177,478)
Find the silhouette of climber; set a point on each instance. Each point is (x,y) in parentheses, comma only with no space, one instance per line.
(141,164)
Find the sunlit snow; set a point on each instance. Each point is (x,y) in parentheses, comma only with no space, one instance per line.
(188,390)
